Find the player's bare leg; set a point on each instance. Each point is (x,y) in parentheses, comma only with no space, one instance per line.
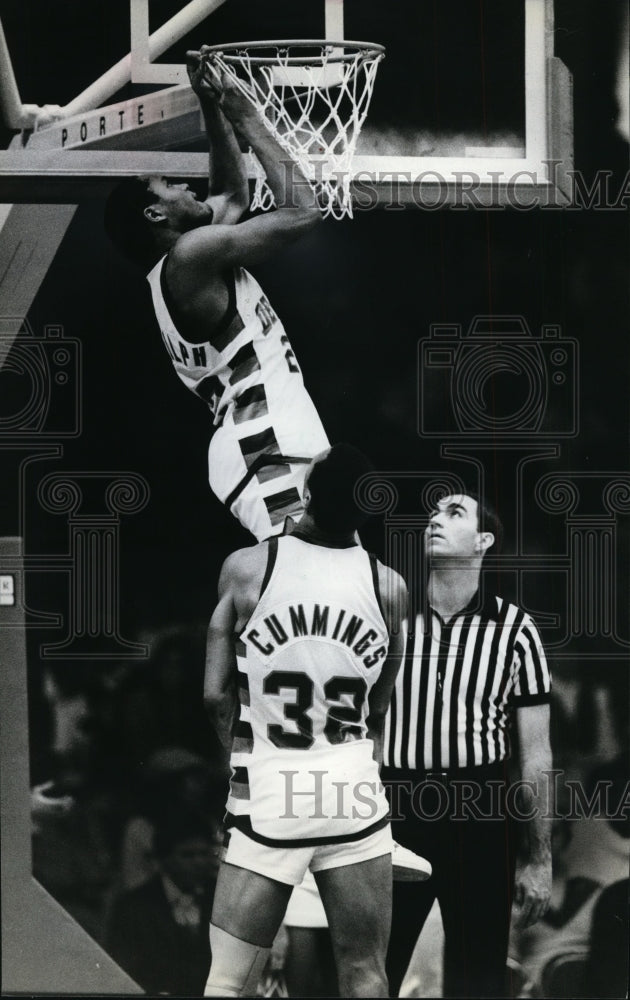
(247,912)
(358,903)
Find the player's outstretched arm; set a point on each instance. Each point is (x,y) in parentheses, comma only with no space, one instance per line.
(289,185)
(211,248)
(396,611)
(228,188)
(219,688)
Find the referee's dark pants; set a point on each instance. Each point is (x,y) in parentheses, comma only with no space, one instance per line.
(457,820)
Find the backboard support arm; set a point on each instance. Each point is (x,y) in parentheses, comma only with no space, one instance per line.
(25,116)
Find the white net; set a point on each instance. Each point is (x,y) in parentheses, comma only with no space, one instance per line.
(313,97)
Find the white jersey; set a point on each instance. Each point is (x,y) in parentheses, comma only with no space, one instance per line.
(266,427)
(303,769)
(247,348)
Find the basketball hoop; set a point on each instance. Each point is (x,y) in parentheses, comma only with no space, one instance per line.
(313,96)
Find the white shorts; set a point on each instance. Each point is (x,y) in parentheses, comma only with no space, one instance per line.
(305,907)
(290,426)
(289,864)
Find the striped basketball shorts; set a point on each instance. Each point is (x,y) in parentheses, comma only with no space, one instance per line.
(257,464)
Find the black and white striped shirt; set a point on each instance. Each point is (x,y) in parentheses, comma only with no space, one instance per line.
(460,681)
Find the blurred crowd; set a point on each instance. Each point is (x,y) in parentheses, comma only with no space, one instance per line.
(580,949)
(129,785)
(127,807)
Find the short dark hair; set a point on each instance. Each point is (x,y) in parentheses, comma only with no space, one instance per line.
(125,222)
(332,483)
(487,518)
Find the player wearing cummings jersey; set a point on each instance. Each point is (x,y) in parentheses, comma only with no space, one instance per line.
(303,651)
(222,335)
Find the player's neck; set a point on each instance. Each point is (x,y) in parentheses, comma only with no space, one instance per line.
(451,588)
(310,532)
(165,240)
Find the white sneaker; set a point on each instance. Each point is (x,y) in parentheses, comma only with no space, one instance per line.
(409,867)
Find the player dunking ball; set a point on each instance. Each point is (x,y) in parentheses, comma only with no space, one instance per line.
(303,648)
(224,339)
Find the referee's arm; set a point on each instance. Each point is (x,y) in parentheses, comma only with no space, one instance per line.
(532,890)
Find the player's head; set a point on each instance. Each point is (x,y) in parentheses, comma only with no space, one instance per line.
(331,489)
(142,210)
(462,526)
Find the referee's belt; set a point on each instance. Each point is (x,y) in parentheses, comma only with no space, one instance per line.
(497,771)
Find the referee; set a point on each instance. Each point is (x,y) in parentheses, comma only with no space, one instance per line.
(474,666)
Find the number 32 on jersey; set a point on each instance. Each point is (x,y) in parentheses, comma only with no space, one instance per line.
(344,722)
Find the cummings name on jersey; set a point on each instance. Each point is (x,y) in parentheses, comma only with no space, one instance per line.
(272,632)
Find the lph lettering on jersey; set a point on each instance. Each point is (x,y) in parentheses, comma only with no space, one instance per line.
(265,314)
(275,631)
(195,358)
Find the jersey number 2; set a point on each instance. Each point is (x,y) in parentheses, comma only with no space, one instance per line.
(342,721)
